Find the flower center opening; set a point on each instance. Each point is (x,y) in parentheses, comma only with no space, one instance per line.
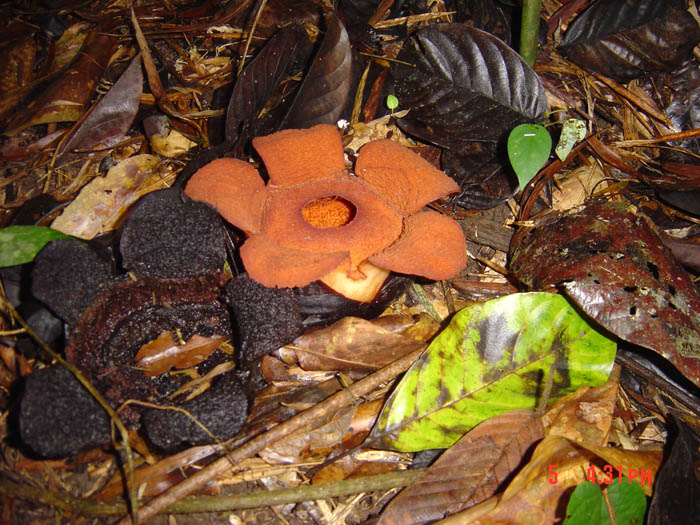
(328,212)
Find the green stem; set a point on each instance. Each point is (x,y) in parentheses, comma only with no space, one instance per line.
(529,30)
(203,504)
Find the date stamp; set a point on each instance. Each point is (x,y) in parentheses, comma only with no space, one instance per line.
(608,474)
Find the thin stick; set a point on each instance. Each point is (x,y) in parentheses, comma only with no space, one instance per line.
(250,36)
(341,399)
(529,30)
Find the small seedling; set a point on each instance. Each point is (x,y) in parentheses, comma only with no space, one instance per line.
(588,505)
(392,103)
(529,146)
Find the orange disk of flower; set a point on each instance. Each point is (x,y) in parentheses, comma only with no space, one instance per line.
(431,245)
(292,156)
(375,224)
(403,178)
(234,188)
(272,265)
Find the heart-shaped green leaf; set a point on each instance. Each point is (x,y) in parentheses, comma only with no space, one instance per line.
(528,149)
(20,244)
(494,357)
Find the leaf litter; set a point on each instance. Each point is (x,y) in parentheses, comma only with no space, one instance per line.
(356,363)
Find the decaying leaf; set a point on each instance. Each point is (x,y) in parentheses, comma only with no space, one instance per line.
(163,353)
(357,344)
(607,258)
(494,357)
(322,95)
(103,201)
(108,120)
(626,40)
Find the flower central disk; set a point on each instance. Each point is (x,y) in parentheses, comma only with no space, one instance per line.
(328,212)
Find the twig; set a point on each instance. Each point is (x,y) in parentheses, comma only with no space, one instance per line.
(250,36)
(340,399)
(202,504)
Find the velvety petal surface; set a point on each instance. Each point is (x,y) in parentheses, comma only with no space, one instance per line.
(273,265)
(401,177)
(292,156)
(374,227)
(431,245)
(234,188)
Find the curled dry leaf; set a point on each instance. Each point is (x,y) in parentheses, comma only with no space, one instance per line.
(163,353)
(357,344)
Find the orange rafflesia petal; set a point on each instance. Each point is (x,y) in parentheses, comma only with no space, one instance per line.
(292,156)
(234,188)
(401,177)
(431,245)
(272,265)
(374,226)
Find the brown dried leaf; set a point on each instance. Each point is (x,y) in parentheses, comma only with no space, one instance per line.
(162,354)
(469,472)
(65,99)
(357,344)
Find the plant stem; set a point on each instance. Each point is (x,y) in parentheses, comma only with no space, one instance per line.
(529,30)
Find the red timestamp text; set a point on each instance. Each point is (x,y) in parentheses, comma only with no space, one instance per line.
(608,474)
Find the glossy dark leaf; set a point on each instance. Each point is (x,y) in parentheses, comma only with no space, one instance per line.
(322,95)
(109,120)
(464,85)
(609,260)
(677,493)
(626,40)
(261,77)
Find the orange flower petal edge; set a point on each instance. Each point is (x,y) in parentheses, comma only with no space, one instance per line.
(275,266)
(374,226)
(234,188)
(293,156)
(431,245)
(403,178)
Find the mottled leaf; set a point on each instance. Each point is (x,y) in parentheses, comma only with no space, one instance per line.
(612,264)
(464,85)
(494,357)
(20,244)
(625,40)
(325,88)
(261,77)
(108,120)
(104,200)
(163,353)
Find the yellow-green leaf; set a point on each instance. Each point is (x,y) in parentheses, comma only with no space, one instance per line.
(494,357)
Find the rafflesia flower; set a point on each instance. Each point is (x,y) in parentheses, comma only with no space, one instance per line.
(315,221)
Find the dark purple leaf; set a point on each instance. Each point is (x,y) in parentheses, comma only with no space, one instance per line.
(108,120)
(322,95)
(464,85)
(683,110)
(261,77)
(609,260)
(625,40)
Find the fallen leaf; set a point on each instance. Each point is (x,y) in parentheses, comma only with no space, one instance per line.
(101,203)
(494,357)
(163,353)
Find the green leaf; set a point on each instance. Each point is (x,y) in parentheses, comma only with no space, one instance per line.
(528,149)
(587,505)
(493,357)
(572,131)
(20,244)
(392,102)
